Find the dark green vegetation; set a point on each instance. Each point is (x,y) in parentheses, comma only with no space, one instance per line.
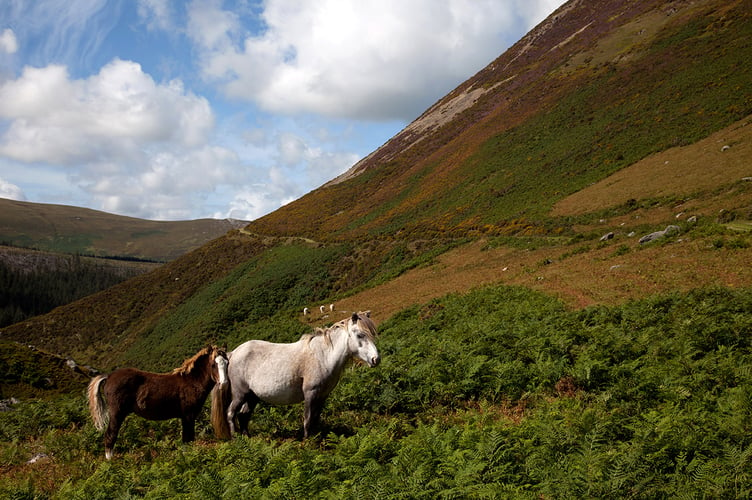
(51,281)
(495,393)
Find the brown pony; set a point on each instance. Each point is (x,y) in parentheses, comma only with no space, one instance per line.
(155,396)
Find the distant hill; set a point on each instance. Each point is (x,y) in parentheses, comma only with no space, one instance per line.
(75,230)
(609,121)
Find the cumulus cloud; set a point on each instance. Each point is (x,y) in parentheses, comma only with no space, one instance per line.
(256,200)
(10,191)
(8,42)
(385,59)
(59,120)
(135,146)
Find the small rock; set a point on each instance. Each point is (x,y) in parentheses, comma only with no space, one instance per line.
(659,234)
(36,458)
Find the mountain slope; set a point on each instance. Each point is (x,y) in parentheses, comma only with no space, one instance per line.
(589,91)
(518,173)
(68,229)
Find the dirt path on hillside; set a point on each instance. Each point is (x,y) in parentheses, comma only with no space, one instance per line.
(598,277)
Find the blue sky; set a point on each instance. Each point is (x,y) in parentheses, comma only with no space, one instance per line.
(172,110)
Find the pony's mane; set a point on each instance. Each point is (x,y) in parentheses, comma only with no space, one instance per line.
(319,332)
(370,329)
(190,364)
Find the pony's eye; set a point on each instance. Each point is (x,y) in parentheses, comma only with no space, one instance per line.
(361,336)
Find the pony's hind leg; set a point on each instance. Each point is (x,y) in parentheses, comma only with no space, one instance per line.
(244,415)
(111,434)
(240,409)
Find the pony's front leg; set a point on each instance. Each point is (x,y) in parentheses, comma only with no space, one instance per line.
(312,413)
(244,415)
(189,428)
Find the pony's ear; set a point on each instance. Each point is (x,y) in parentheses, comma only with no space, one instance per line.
(354,318)
(367,313)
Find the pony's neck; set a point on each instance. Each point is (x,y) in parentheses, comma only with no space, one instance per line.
(333,348)
(201,373)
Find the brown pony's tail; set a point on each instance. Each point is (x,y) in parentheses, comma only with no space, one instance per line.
(97,404)
(220,400)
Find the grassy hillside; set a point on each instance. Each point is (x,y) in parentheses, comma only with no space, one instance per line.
(73,230)
(625,91)
(532,346)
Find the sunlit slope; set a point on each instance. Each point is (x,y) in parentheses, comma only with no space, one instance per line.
(587,93)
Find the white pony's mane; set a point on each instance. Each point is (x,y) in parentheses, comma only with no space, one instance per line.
(369,330)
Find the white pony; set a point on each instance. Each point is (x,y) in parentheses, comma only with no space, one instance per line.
(282,374)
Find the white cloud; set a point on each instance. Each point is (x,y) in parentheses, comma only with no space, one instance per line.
(133,145)
(168,188)
(210,26)
(117,112)
(10,191)
(156,14)
(64,31)
(8,42)
(385,59)
(255,201)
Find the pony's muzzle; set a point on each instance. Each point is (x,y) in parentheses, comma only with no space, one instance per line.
(374,361)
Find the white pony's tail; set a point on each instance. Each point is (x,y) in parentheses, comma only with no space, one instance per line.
(97,403)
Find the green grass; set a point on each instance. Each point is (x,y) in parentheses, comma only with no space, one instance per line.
(744,226)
